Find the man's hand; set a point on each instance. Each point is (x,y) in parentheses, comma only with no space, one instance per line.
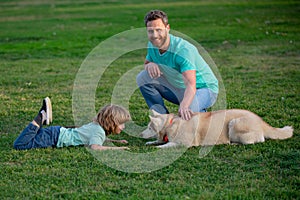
(185,113)
(153,70)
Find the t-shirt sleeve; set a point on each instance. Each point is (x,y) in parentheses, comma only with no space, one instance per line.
(98,138)
(148,58)
(185,60)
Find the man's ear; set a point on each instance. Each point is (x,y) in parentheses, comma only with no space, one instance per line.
(168,27)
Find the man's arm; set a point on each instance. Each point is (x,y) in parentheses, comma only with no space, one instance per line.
(189,78)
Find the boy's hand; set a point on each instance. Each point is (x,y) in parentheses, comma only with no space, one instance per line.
(124,148)
(123,141)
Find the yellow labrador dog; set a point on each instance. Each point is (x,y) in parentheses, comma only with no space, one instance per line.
(211,128)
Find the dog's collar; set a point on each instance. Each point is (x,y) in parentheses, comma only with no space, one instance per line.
(165,138)
(171,121)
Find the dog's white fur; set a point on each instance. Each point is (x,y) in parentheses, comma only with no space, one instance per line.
(212,128)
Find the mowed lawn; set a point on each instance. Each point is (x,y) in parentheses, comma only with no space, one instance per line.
(255,48)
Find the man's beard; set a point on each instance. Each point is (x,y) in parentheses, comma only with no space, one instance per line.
(162,42)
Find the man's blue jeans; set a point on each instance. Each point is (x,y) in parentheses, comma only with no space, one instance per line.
(35,137)
(155,90)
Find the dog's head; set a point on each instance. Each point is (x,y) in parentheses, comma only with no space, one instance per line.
(156,124)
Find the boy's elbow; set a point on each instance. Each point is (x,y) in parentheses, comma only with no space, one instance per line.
(96,147)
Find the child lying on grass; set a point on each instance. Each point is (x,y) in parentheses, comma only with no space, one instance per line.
(110,119)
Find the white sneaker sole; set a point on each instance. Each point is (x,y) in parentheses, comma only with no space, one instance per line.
(48,110)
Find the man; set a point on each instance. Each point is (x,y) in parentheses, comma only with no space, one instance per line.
(175,71)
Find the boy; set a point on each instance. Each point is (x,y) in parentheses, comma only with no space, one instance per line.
(110,119)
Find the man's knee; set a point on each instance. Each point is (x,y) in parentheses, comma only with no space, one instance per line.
(143,78)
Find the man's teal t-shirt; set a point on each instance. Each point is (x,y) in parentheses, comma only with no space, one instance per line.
(87,134)
(180,57)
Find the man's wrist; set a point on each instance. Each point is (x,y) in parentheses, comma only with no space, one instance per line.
(147,65)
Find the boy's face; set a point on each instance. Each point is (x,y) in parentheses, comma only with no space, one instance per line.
(120,128)
(158,33)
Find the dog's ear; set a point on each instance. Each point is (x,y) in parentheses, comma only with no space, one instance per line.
(152,118)
(155,120)
(154,113)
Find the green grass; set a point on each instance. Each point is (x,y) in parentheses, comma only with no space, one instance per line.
(255,45)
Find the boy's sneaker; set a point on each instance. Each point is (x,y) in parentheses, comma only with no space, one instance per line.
(48,110)
(45,114)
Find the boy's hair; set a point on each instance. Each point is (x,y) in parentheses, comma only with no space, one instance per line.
(110,116)
(156,14)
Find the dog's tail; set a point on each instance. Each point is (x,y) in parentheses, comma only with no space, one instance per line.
(277,133)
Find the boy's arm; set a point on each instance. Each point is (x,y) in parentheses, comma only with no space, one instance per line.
(119,141)
(98,147)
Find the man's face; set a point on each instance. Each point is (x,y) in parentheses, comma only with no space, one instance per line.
(158,33)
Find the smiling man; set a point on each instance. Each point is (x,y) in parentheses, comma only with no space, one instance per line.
(174,71)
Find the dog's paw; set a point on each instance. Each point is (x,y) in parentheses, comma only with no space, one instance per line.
(151,143)
(168,145)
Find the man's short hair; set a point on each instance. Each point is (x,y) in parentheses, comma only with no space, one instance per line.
(156,14)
